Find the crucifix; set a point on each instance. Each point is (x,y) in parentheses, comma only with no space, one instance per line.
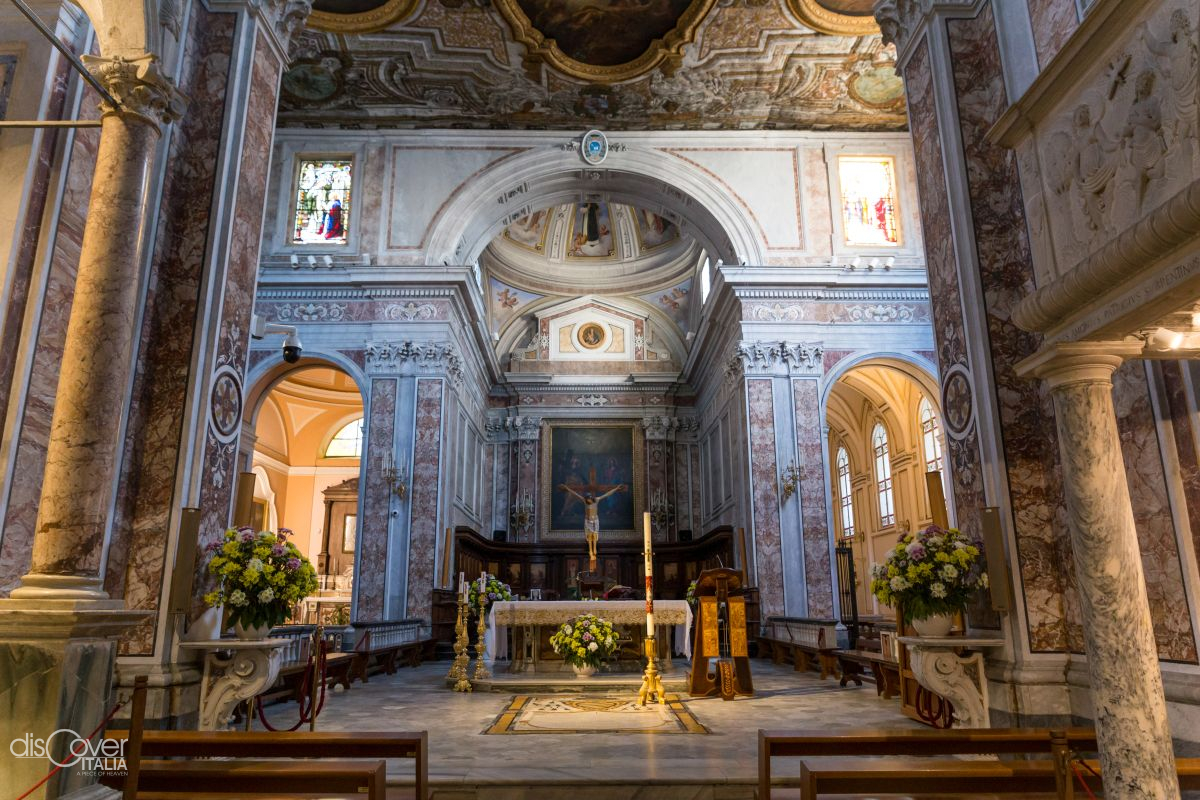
(591,514)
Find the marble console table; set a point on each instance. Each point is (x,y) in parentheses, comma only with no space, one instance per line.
(234,670)
(938,667)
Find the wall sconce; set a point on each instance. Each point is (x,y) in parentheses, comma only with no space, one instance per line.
(660,509)
(789,479)
(396,478)
(522,513)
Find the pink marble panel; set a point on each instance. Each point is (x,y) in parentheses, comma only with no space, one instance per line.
(500,489)
(1053,23)
(1006,272)
(682,496)
(694,465)
(371,580)
(33,433)
(764,477)
(656,476)
(1152,514)
(423,530)
(526,453)
(241,276)
(814,516)
(486,496)
(1183,424)
(29,233)
(137,554)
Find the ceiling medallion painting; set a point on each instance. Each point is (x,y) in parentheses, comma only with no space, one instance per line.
(836,17)
(604,41)
(358,16)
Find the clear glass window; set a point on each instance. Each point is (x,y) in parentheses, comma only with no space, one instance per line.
(347,443)
(845,493)
(883,476)
(931,436)
(322,202)
(870,217)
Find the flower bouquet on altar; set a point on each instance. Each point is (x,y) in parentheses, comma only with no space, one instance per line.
(930,575)
(585,642)
(262,578)
(494,591)
(691,594)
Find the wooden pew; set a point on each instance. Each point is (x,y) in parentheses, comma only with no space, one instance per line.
(160,776)
(884,671)
(917,742)
(240,778)
(801,640)
(851,775)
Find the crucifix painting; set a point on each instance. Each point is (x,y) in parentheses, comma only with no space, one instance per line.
(591,480)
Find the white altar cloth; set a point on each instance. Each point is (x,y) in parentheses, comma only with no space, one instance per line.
(676,613)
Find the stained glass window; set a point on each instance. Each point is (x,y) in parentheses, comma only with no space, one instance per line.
(845,493)
(322,202)
(869,214)
(883,476)
(347,443)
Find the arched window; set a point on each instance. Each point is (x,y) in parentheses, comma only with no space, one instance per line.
(347,443)
(845,493)
(931,436)
(883,476)
(705,279)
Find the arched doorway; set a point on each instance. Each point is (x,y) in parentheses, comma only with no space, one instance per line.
(885,434)
(307,458)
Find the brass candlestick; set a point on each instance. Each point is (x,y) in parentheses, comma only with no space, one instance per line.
(651,680)
(462,659)
(482,673)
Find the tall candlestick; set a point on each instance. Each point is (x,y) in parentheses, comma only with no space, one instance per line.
(482,582)
(462,583)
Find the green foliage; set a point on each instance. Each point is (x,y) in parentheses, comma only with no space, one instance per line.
(929,573)
(494,590)
(262,576)
(585,640)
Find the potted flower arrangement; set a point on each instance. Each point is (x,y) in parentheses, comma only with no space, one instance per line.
(262,577)
(585,642)
(930,575)
(494,591)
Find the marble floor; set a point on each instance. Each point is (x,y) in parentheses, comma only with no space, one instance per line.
(466,764)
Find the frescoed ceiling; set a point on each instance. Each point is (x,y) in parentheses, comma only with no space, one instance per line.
(615,64)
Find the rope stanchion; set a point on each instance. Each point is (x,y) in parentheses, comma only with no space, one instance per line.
(74,753)
(1075,764)
(314,670)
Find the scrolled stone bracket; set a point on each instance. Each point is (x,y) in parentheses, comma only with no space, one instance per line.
(139,89)
(960,679)
(234,671)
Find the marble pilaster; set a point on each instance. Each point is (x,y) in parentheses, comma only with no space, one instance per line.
(764,483)
(424,531)
(1127,691)
(370,586)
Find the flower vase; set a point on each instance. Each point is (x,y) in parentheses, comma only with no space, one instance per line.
(250,633)
(207,626)
(583,670)
(935,626)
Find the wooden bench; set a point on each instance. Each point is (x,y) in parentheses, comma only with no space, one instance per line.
(895,776)
(916,742)
(884,671)
(260,745)
(239,778)
(801,641)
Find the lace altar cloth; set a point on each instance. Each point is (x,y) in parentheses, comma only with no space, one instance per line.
(676,613)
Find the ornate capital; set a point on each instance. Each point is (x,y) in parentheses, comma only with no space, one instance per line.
(896,19)
(286,17)
(138,87)
(404,357)
(775,358)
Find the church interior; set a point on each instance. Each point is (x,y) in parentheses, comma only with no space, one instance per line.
(783,398)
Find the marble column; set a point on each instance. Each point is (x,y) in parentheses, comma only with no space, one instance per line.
(1136,753)
(81,460)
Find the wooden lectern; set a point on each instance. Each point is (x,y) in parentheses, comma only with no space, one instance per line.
(720,637)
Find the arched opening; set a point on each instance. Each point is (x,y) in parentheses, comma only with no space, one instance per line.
(885,434)
(307,454)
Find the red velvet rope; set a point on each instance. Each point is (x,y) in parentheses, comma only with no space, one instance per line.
(314,669)
(91,736)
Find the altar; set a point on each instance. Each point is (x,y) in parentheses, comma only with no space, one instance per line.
(531,622)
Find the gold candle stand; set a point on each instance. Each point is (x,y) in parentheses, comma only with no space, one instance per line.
(651,680)
(482,673)
(462,659)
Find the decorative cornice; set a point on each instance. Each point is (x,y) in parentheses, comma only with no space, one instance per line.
(397,357)
(139,88)
(900,21)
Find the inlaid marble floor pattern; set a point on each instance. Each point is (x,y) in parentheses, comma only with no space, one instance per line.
(466,764)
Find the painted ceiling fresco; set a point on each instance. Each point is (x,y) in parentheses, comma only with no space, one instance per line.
(562,64)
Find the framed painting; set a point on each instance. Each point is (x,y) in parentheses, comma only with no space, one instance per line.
(600,457)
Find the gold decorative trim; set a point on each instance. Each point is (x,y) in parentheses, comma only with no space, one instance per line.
(602,336)
(367,22)
(665,53)
(822,20)
(639,481)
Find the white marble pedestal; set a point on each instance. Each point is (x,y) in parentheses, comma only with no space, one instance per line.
(234,670)
(960,679)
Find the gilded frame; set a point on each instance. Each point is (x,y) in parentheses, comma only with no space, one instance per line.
(822,20)
(666,52)
(366,22)
(545,479)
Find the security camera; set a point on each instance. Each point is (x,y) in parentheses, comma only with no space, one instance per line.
(292,349)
